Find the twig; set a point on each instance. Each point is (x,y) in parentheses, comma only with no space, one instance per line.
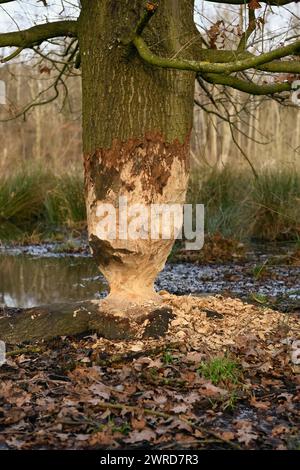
(17,352)
(250,29)
(149,11)
(160,414)
(12,56)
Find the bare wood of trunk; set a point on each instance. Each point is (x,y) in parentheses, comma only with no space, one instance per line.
(137,121)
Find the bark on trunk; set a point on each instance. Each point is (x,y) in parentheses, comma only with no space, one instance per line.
(137,121)
(50,321)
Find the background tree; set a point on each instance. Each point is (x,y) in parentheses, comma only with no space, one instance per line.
(139,61)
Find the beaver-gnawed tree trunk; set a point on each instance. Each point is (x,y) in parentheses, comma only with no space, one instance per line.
(137,122)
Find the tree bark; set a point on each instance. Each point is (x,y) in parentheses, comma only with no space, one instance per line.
(137,121)
(50,321)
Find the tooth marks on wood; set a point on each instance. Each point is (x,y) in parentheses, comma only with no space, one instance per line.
(148,159)
(104,252)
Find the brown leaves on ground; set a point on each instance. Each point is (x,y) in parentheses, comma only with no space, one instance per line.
(97,394)
(245,432)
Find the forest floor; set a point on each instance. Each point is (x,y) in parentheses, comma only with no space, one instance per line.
(226,376)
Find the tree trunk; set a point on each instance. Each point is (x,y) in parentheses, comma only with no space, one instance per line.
(137,122)
(49,321)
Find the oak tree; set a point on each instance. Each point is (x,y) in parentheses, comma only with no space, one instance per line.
(139,61)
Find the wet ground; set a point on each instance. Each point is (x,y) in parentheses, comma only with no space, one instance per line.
(35,275)
(91,393)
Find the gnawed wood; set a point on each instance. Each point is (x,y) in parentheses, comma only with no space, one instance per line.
(50,321)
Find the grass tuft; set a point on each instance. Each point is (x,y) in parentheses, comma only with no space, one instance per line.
(220,370)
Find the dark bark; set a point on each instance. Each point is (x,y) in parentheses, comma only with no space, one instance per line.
(123,98)
(50,321)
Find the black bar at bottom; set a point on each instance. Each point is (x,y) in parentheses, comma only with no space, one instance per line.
(136,459)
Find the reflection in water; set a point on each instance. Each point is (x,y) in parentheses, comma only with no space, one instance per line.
(29,281)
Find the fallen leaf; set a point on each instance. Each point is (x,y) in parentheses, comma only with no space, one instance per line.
(227,435)
(138,424)
(278,430)
(100,390)
(245,432)
(137,436)
(181,408)
(260,405)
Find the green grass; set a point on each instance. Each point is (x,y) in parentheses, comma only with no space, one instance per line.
(258,270)
(220,370)
(35,205)
(226,208)
(168,358)
(259,298)
(64,203)
(238,206)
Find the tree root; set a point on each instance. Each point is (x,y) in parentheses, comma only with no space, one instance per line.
(50,321)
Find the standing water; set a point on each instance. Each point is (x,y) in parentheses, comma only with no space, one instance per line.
(32,276)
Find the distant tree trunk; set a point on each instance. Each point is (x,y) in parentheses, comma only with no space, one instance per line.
(137,121)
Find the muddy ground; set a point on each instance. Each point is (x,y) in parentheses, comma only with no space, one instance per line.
(226,376)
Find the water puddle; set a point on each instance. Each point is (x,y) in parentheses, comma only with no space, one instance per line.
(31,276)
(27,281)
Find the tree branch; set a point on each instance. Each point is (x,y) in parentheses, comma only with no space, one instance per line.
(275,3)
(13,55)
(37,34)
(54,85)
(247,87)
(149,11)
(250,29)
(207,67)
(225,56)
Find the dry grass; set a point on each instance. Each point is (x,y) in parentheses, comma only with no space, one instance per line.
(239,206)
(36,204)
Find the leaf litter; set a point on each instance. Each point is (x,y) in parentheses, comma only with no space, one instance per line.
(94,393)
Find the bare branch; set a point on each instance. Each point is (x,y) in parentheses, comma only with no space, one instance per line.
(275,3)
(13,55)
(58,80)
(37,34)
(247,87)
(225,56)
(207,67)
(250,29)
